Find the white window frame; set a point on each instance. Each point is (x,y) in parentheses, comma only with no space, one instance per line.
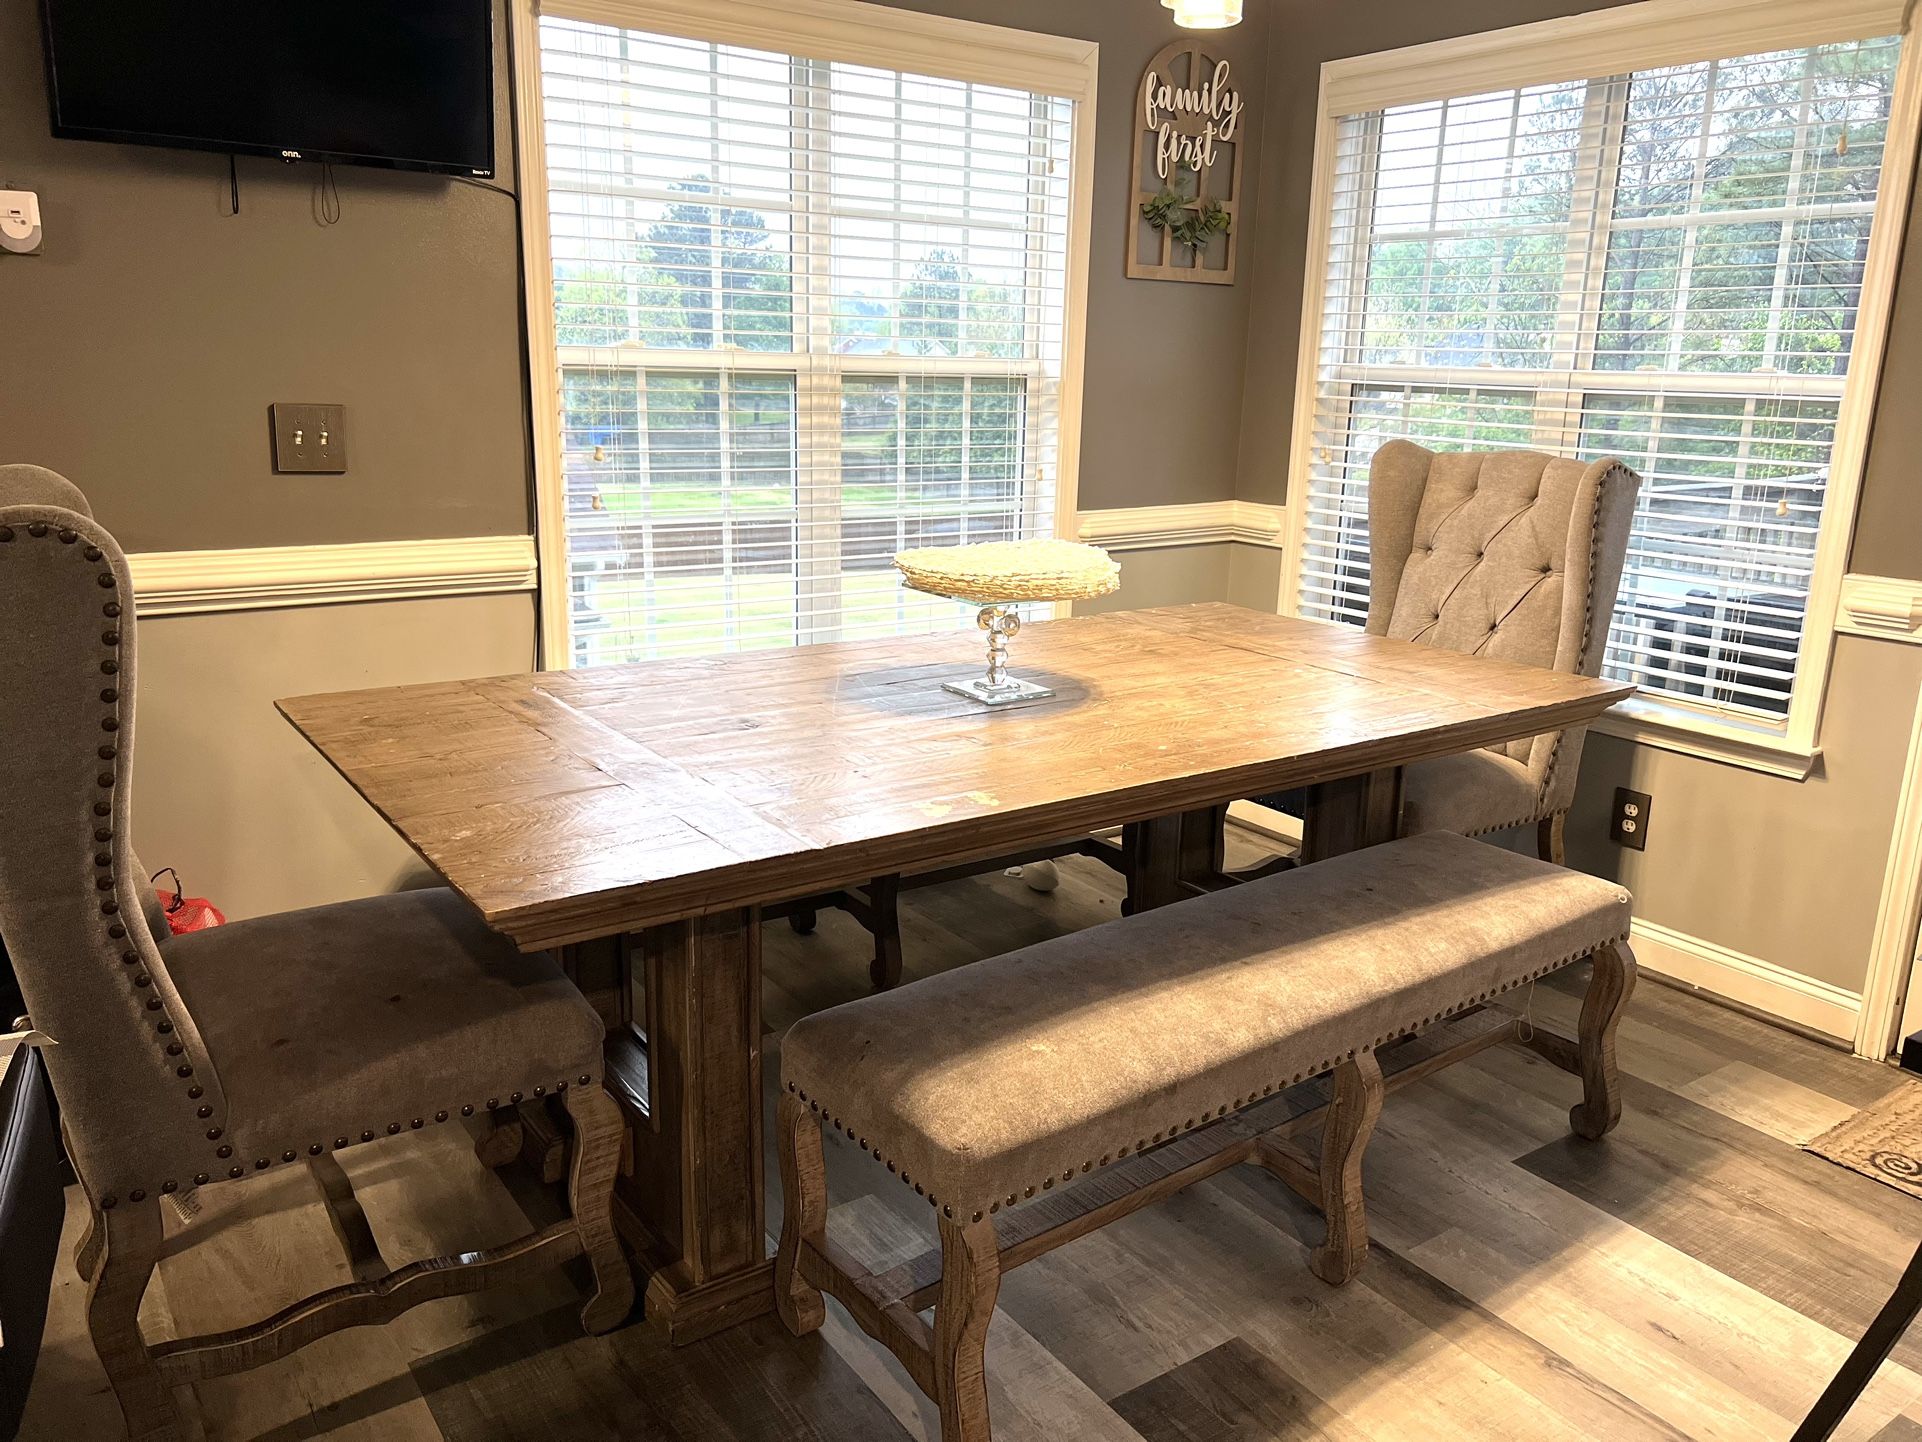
(1608,42)
(848,31)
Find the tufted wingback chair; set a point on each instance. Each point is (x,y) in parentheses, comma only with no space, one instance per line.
(222,1054)
(1511,554)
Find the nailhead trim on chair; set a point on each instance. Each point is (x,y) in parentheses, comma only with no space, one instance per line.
(1588,617)
(1144,1143)
(108,880)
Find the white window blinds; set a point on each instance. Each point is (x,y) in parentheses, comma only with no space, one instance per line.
(807,314)
(1663,266)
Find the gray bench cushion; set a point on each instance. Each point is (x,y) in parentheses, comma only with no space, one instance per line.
(988,1083)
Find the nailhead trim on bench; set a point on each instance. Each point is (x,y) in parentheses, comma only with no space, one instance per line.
(1145,1143)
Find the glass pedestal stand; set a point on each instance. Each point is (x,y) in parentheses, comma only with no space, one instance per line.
(998,688)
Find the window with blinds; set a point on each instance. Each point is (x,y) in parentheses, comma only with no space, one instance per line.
(1663,266)
(806,314)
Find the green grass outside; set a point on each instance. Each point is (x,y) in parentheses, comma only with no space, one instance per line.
(689,615)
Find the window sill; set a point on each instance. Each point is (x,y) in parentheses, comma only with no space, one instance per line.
(1675,728)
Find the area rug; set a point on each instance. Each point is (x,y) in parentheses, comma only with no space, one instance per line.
(1883,1140)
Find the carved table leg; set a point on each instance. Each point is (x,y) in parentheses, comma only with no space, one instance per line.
(693,1207)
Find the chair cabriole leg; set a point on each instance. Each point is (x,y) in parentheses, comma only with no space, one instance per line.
(1548,838)
(884,895)
(804,1214)
(1609,989)
(86,1252)
(970,1280)
(598,1127)
(1351,1120)
(130,1249)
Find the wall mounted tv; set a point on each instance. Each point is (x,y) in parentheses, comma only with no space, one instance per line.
(402,83)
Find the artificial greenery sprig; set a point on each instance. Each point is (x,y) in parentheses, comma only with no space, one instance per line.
(1190,223)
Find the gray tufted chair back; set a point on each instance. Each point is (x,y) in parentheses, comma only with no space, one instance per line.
(136,1086)
(1511,554)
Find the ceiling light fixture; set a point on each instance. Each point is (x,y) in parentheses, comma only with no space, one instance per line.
(1205,14)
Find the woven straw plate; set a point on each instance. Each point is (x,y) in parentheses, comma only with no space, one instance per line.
(990,571)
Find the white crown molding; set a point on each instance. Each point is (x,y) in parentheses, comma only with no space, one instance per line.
(1747,980)
(1612,41)
(1885,606)
(1204,523)
(182,583)
(861,34)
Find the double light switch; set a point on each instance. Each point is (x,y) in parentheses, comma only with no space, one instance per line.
(309,439)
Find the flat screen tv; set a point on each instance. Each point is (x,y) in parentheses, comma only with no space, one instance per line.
(403,83)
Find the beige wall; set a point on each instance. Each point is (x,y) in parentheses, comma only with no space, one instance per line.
(1789,872)
(229,794)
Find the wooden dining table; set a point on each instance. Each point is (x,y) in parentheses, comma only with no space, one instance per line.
(635,819)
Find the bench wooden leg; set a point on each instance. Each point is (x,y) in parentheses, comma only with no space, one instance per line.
(1608,992)
(970,1280)
(804,1214)
(131,1249)
(1351,1119)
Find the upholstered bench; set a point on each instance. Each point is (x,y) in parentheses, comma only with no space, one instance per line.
(1158,1047)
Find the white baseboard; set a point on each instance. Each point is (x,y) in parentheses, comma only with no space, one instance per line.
(1264,820)
(1749,980)
(178,583)
(1205,523)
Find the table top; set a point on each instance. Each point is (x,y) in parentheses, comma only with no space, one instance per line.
(567,805)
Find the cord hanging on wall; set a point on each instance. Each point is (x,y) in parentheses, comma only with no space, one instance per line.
(327,196)
(233,184)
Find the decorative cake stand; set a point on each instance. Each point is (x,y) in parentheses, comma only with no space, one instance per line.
(997,575)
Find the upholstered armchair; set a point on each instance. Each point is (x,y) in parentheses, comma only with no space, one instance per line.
(1510,554)
(210,1058)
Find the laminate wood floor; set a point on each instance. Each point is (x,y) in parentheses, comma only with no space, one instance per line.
(1694,1276)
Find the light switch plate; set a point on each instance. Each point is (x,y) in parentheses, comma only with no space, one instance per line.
(309,439)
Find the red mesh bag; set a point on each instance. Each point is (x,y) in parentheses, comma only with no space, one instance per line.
(185,913)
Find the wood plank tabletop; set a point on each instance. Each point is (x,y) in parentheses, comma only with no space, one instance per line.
(567,805)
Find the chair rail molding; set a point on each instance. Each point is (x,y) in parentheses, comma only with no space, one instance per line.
(185,583)
(1201,523)
(1886,606)
(1803,1001)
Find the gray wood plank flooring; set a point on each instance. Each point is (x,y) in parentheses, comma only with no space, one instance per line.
(1694,1276)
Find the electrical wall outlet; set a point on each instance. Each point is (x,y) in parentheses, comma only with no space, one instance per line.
(1629,826)
(309,439)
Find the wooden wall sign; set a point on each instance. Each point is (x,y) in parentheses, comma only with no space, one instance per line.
(1184,218)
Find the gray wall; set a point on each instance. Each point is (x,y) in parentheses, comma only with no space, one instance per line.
(148,339)
(1888,528)
(161,327)
(1161,418)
